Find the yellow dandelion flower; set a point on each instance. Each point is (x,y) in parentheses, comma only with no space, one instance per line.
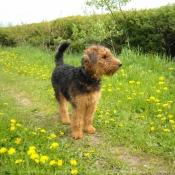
(32,148)
(106,122)
(170,116)
(112,119)
(6,104)
(163,118)
(43,159)
(131,82)
(60,162)
(87,154)
(52,162)
(53,136)
(73,162)
(34,133)
(157,100)
(129,98)
(109,90)
(158,91)
(31,151)
(11,151)
(171,121)
(166,130)
(161,82)
(18,141)
(159,115)
(138,82)
(101,112)
(13,121)
(134,93)
(61,133)
(115,111)
(18,124)
(19,161)
(151,123)
(165,88)
(54,145)
(121,124)
(12,128)
(152,128)
(152,98)
(74,171)
(34,156)
(3,150)
(165,105)
(161,78)
(42,130)
(171,68)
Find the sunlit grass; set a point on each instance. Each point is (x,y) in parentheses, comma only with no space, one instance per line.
(137,110)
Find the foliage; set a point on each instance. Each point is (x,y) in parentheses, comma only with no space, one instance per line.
(151,30)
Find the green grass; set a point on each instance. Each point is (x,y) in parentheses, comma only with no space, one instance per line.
(135,118)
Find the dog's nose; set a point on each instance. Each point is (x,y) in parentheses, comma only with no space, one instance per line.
(120,64)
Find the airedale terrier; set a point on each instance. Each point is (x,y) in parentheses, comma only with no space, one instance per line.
(81,86)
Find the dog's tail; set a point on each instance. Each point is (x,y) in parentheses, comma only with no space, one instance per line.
(60,52)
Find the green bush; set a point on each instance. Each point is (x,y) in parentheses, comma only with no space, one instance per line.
(151,30)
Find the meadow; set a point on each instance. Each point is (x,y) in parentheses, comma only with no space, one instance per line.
(135,118)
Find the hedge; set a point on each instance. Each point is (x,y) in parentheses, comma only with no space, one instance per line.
(152,30)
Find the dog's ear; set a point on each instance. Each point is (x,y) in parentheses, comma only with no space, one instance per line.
(93,57)
(90,55)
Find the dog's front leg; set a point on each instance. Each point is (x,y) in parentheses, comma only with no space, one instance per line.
(77,122)
(88,119)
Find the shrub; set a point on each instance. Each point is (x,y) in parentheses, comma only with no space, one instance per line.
(151,30)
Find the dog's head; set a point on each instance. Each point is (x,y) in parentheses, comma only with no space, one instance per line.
(99,61)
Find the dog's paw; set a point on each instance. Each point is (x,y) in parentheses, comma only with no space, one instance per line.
(77,135)
(90,129)
(66,121)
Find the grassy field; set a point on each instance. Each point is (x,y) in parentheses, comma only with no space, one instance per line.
(135,118)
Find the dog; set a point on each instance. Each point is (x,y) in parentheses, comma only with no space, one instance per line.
(81,86)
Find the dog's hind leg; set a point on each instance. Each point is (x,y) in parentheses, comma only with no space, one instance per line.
(63,109)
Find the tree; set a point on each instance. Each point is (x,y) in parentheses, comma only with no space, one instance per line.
(111,6)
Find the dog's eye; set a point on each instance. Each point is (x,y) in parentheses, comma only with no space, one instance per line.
(104,57)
